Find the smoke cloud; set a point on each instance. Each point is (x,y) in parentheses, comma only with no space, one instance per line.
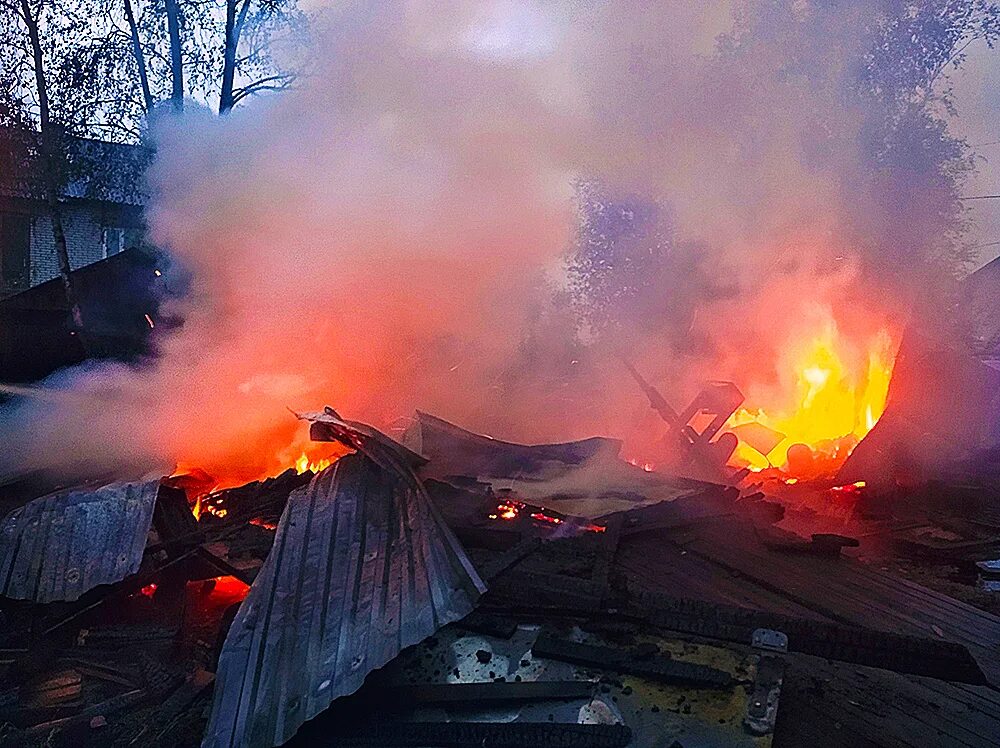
(392,234)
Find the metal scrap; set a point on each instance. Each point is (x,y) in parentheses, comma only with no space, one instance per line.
(361,567)
(60,546)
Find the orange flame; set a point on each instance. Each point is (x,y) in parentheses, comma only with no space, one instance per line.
(836,404)
(316,456)
(314,465)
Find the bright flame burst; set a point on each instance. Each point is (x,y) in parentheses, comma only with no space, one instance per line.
(315,465)
(836,404)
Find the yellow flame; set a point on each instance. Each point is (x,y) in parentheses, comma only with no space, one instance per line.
(835,405)
(304,463)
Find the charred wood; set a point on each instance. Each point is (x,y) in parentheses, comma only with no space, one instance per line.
(656,667)
(478,734)
(905,654)
(491,692)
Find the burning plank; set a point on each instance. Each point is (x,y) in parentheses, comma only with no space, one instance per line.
(60,546)
(361,567)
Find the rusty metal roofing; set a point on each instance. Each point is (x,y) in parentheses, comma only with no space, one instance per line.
(361,567)
(59,546)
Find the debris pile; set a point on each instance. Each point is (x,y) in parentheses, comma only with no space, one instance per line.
(458,590)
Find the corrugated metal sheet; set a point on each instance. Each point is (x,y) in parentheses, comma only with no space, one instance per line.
(361,567)
(453,450)
(60,546)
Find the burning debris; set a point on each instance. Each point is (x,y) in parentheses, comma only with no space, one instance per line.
(479,208)
(361,568)
(349,603)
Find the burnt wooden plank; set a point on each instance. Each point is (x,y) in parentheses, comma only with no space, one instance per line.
(853,593)
(663,565)
(497,565)
(491,692)
(827,703)
(902,653)
(477,734)
(654,667)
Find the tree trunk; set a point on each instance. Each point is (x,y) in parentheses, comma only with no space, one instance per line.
(176,57)
(140,59)
(53,157)
(234,28)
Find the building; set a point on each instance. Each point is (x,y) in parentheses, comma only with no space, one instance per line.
(117,277)
(102,201)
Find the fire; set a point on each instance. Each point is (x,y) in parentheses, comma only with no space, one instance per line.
(315,458)
(149,590)
(836,403)
(647,466)
(304,464)
(512,510)
(507,510)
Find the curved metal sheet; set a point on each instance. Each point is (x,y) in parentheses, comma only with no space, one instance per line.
(59,546)
(361,567)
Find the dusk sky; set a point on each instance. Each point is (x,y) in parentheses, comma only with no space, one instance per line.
(977,90)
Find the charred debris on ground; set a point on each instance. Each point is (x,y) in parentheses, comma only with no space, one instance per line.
(457,590)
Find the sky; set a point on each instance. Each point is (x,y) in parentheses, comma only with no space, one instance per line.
(977,97)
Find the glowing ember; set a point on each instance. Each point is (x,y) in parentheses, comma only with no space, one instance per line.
(213,508)
(546,518)
(149,590)
(840,393)
(511,510)
(850,487)
(226,587)
(507,510)
(647,466)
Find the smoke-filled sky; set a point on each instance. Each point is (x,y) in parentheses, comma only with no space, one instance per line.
(392,234)
(977,94)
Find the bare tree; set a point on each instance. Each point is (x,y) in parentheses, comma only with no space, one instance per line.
(255,63)
(51,153)
(140,58)
(176,54)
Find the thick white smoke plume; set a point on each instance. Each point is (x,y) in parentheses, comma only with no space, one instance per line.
(390,234)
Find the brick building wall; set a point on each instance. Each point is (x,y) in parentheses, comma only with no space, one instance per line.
(101,198)
(94,230)
(84,241)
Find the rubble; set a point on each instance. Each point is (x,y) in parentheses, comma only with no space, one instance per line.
(361,568)
(349,608)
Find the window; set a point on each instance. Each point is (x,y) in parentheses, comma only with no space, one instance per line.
(15,251)
(114,239)
(117,239)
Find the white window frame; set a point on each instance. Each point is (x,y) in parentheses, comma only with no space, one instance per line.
(104,240)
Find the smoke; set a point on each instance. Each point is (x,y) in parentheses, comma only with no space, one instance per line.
(392,233)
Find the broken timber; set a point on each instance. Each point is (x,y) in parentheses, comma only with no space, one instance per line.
(654,667)
(361,567)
